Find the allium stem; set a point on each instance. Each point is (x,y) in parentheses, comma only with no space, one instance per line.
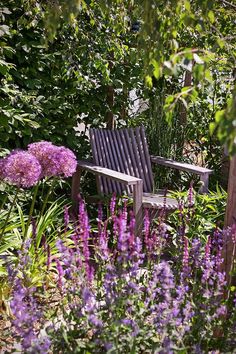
(3,202)
(8,214)
(31,210)
(47,196)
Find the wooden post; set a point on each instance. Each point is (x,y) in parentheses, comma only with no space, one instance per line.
(228,251)
(137,207)
(75,188)
(205,181)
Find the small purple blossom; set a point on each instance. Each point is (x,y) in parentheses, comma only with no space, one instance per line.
(22,169)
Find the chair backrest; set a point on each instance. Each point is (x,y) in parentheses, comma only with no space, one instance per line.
(123,150)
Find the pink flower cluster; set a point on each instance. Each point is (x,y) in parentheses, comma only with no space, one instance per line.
(43,159)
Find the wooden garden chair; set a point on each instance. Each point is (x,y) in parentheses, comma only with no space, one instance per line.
(121,163)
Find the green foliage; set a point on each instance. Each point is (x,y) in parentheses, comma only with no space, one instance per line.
(48,88)
(205,215)
(179,35)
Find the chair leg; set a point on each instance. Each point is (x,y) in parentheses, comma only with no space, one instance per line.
(137,207)
(205,180)
(75,188)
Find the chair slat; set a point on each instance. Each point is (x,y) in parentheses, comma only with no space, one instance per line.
(122,150)
(138,162)
(128,153)
(147,159)
(96,159)
(112,158)
(108,186)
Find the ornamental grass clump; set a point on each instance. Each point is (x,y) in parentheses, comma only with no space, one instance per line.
(122,293)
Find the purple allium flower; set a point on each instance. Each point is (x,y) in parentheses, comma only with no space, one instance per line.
(55,160)
(22,169)
(66,161)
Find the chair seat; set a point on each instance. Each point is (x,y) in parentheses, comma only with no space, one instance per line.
(158,200)
(150,200)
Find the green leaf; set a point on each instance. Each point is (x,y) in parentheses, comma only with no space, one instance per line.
(187,5)
(219,116)
(211,16)
(148,80)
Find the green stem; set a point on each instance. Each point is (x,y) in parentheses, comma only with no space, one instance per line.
(31,209)
(47,196)
(3,202)
(8,214)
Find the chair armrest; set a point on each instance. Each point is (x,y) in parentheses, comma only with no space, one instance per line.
(181,166)
(106,172)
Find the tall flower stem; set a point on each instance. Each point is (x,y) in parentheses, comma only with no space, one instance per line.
(47,196)
(3,202)
(8,214)
(31,209)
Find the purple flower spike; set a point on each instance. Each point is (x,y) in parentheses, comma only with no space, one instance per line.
(22,169)
(2,174)
(60,273)
(113,205)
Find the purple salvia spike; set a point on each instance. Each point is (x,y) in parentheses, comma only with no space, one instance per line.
(121,245)
(190,195)
(43,240)
(124,211)
(186,257)
(48,257)
(113,205)
(103,245)
(131,231)
(66,218)
(90,273)
(208,250)
(146,228)
(75,240)
(100,215)
(60,274)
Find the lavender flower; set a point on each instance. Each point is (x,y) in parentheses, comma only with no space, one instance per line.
(26,315)
(22,169)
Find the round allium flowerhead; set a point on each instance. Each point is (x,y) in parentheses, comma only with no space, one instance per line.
(22,169)
(66,161)
(44,151)
(55,160)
